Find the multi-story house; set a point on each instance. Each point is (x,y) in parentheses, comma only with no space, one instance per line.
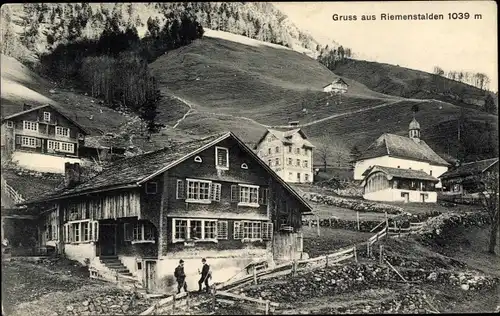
(289,153)
(41,138)
(397,168)
(211,198)
(338,86)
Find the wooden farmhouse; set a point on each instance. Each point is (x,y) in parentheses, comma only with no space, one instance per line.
(337,86)
(42,138)
(211,198)
(397,168)
(465,178)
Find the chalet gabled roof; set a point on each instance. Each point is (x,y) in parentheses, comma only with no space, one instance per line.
(84,130)
(285,135)
(470,168)
(133,171)
(400,173)
(402,147)
(339,80)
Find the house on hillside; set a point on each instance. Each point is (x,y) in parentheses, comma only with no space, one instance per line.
(211,198)
(41,138)
(397,168)
(465,178)
(337,86)
(288,153)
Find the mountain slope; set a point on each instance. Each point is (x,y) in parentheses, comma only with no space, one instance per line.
(401,81)
(230,82)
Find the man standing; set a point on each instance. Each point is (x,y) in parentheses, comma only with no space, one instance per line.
(180,276)
(205,275)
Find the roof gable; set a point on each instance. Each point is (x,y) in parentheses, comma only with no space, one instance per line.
(470,168)
(399,173)
(54,108)
(133,171)
(402,147)
(285,136)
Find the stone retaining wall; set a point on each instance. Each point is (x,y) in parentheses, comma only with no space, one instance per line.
(117,304)
(356,205)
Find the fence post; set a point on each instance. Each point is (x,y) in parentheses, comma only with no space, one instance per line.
(294,267)
(310,223)
(357,219)
(267,307)
(326,261)
(368,249)
(213,297)
(317,222)
(355,255)
(330,222)
(254,275)
(173,304)
(187,300)
(381,254)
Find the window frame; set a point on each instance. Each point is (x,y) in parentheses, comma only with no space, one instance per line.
(189,228)
(198,200)
(220,167)
(10,124)
(246,234)
(63,144)
(92,231)
(249,187)
(28,141)
(148,185)
(59,131)
(27,125)
(46,116)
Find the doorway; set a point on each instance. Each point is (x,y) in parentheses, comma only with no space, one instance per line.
(150,274)
(406,197)
(107,239)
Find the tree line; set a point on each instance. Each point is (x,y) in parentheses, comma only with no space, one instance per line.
(114,67)
(478,79)
(332,57)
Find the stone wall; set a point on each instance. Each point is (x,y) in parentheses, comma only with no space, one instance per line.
(353,204)
(122,303)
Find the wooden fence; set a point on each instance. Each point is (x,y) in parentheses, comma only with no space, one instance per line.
(13,194)
(222,290)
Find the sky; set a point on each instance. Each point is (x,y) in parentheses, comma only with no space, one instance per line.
(461,45)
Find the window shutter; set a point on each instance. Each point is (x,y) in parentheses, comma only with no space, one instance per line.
(215,192)
(267,231)
(180,190)
(222,230)
(38,142)
(96,230)
(18,140)
(263,196)
(234,193)
(237,230)
(126,232)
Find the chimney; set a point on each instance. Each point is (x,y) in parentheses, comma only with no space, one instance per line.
(26,107)
(72,174)
(293,123)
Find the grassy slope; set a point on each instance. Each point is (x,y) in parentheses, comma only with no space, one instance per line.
(392,79)
(228,80)
(21,85)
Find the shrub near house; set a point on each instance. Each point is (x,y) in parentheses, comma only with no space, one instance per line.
(211,198)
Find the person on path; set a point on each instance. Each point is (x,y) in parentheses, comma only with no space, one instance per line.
(180,276)
(205,275)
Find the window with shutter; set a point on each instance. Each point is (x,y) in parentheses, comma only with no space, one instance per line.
(216,191)
(38,142)
(181,192)
(237,231)
(127,232)
(263,196)
(235,196)
(222,230)
(18,140)
(267,231)
(95,230)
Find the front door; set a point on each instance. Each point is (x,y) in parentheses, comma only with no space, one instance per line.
(150,275)
(107,239)
(406,197)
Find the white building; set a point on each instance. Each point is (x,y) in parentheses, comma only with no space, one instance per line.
(288,153)
(419,168)
(338,86)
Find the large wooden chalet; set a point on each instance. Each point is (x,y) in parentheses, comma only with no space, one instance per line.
(211,198)
(42,138)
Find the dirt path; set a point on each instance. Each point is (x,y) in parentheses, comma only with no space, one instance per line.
(192,110)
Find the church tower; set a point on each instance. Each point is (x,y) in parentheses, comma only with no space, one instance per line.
(414,130)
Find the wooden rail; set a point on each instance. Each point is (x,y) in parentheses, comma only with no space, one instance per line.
(13,194)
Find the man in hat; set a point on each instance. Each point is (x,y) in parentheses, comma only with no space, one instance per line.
(205,275)
(180,276)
